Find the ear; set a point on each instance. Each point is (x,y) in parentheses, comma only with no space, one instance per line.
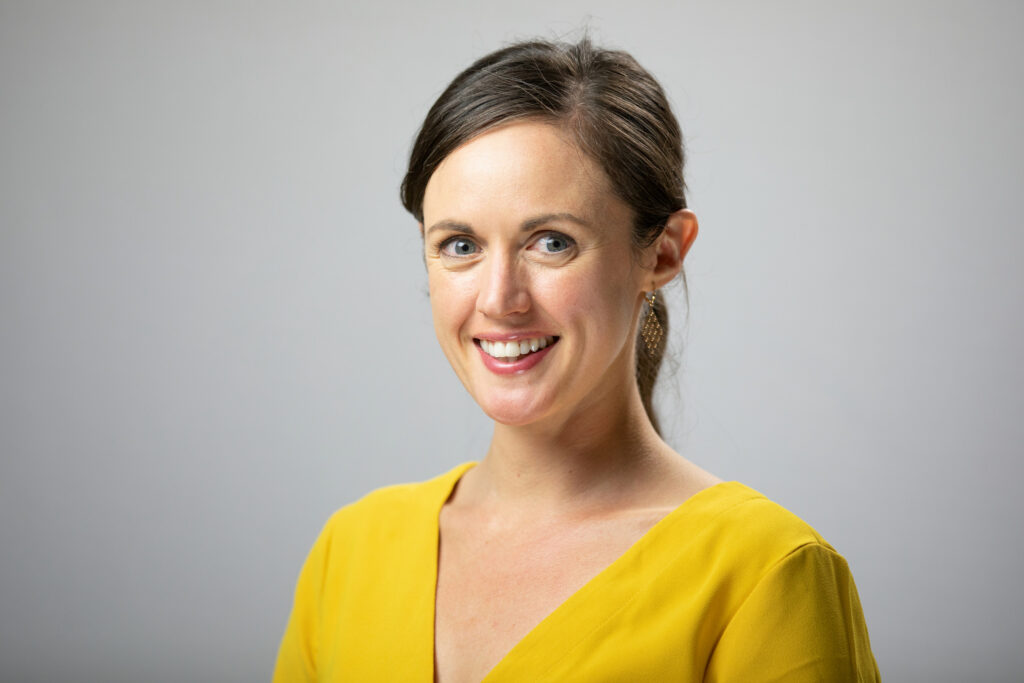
(672,245)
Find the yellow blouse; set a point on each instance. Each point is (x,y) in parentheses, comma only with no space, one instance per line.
(729,586)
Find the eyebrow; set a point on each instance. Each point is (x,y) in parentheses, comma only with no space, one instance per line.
(527,226)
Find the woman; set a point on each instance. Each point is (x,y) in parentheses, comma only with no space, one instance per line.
(547,182)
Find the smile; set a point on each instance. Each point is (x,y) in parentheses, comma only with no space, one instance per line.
(515,349)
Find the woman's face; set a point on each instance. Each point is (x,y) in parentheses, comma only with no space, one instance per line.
(526,245)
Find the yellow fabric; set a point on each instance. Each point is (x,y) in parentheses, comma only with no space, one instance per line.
(728,587)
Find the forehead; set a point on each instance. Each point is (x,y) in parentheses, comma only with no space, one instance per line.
(516,170)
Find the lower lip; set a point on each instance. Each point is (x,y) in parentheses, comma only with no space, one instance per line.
(500,367)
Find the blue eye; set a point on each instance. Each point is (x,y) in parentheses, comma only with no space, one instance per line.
(458,246)
(554,243)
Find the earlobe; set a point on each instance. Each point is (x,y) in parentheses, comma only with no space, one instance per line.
(673,244)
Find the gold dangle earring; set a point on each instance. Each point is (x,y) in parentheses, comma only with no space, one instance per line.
(651,331)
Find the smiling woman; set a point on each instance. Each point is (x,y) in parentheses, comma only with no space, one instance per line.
(528,240)
(547,183)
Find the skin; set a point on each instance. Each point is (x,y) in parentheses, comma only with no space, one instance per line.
(575,472)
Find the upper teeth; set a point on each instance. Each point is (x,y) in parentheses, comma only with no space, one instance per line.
(514,349)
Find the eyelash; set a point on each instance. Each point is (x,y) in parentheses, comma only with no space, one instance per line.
(569,243)
(452,240)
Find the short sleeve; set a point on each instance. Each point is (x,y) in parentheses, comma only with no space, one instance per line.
(801,622)
(296,657)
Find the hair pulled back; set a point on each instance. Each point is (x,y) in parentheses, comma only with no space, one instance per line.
(614,109)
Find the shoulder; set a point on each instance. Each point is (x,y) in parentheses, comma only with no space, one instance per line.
(784,586)
(740,538)
(747,522)
(358,564)
(379,506)
(389,509)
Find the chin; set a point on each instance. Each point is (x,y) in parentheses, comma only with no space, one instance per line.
(513,412)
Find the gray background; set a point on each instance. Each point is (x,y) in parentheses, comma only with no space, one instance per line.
(215,329)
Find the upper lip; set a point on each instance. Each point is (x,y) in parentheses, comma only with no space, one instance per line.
(511,336)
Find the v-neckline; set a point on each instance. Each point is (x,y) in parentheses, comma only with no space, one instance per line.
(529,642)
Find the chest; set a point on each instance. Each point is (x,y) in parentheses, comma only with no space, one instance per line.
(494,588)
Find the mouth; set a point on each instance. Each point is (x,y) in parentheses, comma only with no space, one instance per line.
(513,350)
(515,356)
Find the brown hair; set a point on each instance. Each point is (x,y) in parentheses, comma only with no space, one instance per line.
(615,110)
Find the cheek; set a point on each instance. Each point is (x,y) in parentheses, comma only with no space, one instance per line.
(599,298)
(451,299)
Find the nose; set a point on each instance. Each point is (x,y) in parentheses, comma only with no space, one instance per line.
(503,287)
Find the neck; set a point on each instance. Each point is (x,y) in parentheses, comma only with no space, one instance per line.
(568,464)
